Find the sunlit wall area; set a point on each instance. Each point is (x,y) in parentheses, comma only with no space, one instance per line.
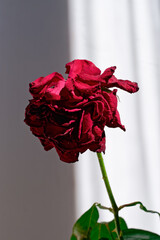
(125,34)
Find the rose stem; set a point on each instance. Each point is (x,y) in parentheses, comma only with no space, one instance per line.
(110,194)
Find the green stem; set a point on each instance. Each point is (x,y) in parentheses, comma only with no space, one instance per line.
(110,194)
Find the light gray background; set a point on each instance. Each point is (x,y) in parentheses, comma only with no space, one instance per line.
(36,189)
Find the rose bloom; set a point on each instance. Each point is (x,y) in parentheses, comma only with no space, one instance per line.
(70,115)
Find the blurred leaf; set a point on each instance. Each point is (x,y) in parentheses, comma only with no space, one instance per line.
(85,223)
(88,228)
(100,232)
(138,234)
(123,224)
(106,230)
(73,237)
(141,207)
(112,228)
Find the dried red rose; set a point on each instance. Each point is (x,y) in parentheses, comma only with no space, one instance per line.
(71,114)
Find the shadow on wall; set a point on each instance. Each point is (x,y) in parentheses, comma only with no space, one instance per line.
(36,188)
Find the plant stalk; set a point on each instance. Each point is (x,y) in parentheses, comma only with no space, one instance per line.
(110,194)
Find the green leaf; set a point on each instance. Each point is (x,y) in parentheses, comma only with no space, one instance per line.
(73,237)
(106,230)
(141,207)
(138,234)
(85,223)
(112,228)
(123,224)
(100,232)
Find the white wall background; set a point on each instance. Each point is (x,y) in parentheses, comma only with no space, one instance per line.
(126,34)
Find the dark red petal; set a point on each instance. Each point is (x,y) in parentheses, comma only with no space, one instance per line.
(126,85)
(86,136)
(39,86)
(99,146)
(47,144)
(37,131)
(110,104)
(85,87)
(97,131)
(116,122)
(54,131)
(108,73)
(80,125)
(81,66)
(67,156)
(53,93)
(92,80)
(33,120)
(111,113)
(98,110)
(68,93)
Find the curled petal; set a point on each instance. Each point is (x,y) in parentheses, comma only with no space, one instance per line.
(85,87)
(80,125)
(126,85)
(53,93)
(54,131)
(69,93)
(81,66)
(116,122)
(111,112)
(86,129)
(67,156)
(99,146)
(107,74)
(97,131)
(46,143)
(37,131)
(54,82)
(98,110)
(31,119)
